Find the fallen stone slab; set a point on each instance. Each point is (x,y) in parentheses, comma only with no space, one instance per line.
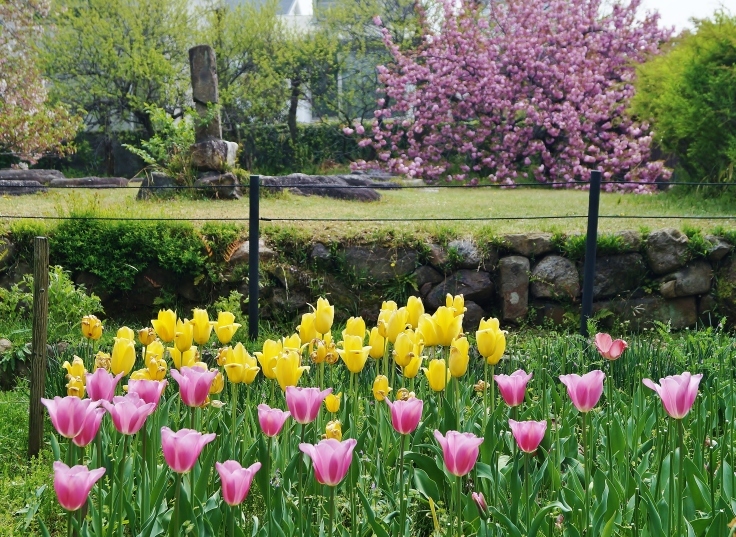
(10,187)
(42,176)
(89,182)
(345,187)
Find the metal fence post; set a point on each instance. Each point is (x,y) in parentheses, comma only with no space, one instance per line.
(38,358)
(253,252)
(591,238)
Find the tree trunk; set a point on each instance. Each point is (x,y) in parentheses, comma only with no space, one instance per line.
(293,104)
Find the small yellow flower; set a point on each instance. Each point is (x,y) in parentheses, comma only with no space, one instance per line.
(437,374)
(222,354)
(353,353)
(491,341)
(428,330)
(412,368)
(155,349)
(75,386)
(307,331)
(156,367)
(480,386)
(415,307)
(377,343)
(289,369)
(139,374)
(387,310)
(201,326)
(408,345)
(333,430)
(75,369)
(126,333)
(146,336)
(456,302)
(165,325)
(332,402)
(102,361)
(324,350)
(355,327)
(184,335)
(239,365)
(271,351)
(447,325)
(459,357)
(403,394)
(183,359)
(397,323)
(225,327)
(91,327)
(218,384)
(324,315)
(293,342)
(123,356)
(381,388)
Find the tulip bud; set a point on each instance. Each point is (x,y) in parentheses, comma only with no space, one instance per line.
(165,325)
(91,327)
(380,387)
(75,369)
(146,336)
(126,333)
(201,326)
(459,357)
(377,343)
(102,361)
(307,331)
(415,307)
(75,386)
(332,402)
(324,316)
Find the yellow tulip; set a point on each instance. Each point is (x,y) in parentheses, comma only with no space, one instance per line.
(184,335)
(437,374)
(324,350)
(165,325)
(126,333)
(225,327)
(377,343)
(397,323)
(75,386)
(75,369)
(389,305)
(353,353)
(381,388)
(387,310)
(307,331)
(428,330)
(155,349)
(415,307)
(146,336)
(156,367)
(201,326)
(408,345)
(354,327)
(289,369)
(102,361)
(218,384)
(123,356)
(459,357)
(139,374)
(333,430)
(240,366)
(332,402)
(457,302)
(447,325)
(222,353)
(491,341)
(402,394)
(271,351)
(324,316)
(91,327)
(411,369)
(293,342)
(183,359)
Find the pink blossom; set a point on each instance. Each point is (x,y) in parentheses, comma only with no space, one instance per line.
(271,420)
(236,480)
(101,384)
(182,448)
(128,413)
(405,415)
(72,485)
(584,391)
(513,387)
(677,392)
(528,434)
(91,426)
(68,414)
(331,459)
(194,384)
(608,348)
(347,131)
(460,451)
(148,390)
(304,403)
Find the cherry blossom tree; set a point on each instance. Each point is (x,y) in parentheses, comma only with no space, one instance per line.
(29,126)
(516,89)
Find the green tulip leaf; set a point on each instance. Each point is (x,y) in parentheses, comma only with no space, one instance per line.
(513,531)
(425,485)
(542,514)
(376,525)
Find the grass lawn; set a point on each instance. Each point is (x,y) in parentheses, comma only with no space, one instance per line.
(435,203)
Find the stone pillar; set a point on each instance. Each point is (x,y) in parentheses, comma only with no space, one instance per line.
(203,67)
(514,276)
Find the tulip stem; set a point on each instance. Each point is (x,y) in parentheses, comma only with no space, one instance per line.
(458,505)
(402,499)
(680,476)
(121,471)
(233,419)
(586,461)
(301,485)
(177,494)
(98,445)
(331,517)
(268,488)
(526,492)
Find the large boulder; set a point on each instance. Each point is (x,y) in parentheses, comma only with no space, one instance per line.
(241,255)
(666,250)
(466,254)
(693,279)
(630,240)
(719,248)
(617,274)
(555,277)
(472,316)
(514,279)
(156,185)
(213,155)
(380,264)
(427,275)
(219,186)
(474,285)
(641,313)
(529,244)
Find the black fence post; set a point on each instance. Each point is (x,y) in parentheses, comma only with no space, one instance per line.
(591,239)
(253,252)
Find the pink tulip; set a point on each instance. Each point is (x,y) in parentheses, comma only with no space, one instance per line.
(128,413)
(528,434)
(68,413)
(304,403)
(677,392)
(584,391)
(101,385)
(331,459)
(194,384)
(460,451)
(405,415)
(480,502)
(91,426)
(271,419)
(513,386)
(182,448)
(236,480)
(148,390)
(608,348)
(72,485)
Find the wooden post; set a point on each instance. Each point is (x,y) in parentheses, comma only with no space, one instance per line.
(38,358)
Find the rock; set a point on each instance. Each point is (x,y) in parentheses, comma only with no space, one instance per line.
(288,302)
(320,255)
(5,345)
(472,317)
(425,289)
(203,69)
(707,314)
(555,277)
(147,286)
(195,294)
(719,248)
(467,255)
(617,274)
(14,187)
(90,182)
(437,256)
(346,187)
(666,250)
(380,264)
(693,279)
(210,155)
(92,283)
(474,285)
(7,252)
(529,244)
(41,176)
(156,185)
(15,274)
(427,275)
(630,240)
(232,153)
(549,312)
(219,186)
(242,254)
(641,313)
(514,278)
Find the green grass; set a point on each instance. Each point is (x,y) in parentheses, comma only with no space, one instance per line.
(409,203)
